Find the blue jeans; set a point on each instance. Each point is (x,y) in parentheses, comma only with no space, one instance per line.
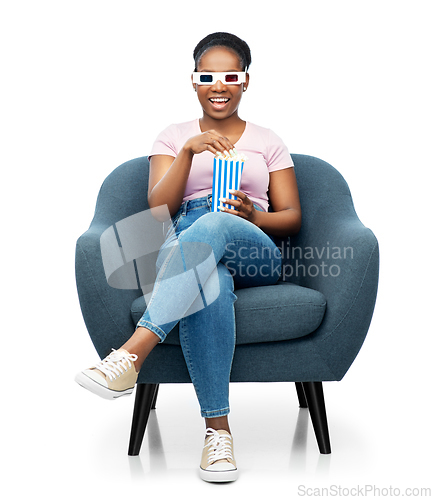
(206,255)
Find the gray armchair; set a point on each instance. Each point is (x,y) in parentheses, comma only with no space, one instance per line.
(306,329)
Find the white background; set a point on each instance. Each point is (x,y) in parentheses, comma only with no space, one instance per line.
(86,86)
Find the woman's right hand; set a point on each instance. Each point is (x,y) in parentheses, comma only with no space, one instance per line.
(169,175)
(208,141)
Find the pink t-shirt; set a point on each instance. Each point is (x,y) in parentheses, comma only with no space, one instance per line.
(264,149)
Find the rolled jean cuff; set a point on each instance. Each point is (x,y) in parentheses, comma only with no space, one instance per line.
(153,328)
(215,413)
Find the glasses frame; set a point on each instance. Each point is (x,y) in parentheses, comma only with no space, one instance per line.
(221,76)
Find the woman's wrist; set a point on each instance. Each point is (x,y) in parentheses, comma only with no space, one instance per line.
(256,217)
(187,151)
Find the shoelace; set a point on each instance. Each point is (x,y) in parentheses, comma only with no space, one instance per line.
(114,365)
(219,446)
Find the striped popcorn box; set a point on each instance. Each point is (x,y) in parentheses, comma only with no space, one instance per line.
(227,172)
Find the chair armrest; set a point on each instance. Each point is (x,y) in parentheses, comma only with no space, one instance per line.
(350,286)
(106,310)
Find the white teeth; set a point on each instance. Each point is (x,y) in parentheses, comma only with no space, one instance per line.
(219,99)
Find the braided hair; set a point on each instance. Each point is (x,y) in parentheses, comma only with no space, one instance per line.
(227,40)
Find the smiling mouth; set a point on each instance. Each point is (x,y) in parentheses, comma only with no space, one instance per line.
(219,102)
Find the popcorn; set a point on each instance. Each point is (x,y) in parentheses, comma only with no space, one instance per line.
(227,171)
(232,155)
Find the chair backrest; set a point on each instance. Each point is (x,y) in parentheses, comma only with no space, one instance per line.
(324,197)
(321,187)
(124,191)
(325,201)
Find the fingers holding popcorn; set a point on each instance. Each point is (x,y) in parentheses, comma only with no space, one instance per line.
(210,141)
(242,206)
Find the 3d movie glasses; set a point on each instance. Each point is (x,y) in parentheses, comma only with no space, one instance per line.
(229,78)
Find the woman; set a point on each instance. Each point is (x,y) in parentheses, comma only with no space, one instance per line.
(181,167)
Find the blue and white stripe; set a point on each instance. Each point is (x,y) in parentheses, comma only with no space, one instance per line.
(226,176)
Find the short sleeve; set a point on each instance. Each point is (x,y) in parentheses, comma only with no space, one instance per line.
(278,156)
(166,142)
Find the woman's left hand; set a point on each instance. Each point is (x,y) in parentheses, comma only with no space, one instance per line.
(243,206)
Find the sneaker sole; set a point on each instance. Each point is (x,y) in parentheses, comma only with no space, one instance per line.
(100,390)
(218,476)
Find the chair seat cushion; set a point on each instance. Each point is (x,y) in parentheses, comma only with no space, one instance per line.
(266,313)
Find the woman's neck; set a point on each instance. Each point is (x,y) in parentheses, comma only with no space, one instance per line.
(232,127)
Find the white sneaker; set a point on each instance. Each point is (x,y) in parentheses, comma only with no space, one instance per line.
(113,377)
(218,463)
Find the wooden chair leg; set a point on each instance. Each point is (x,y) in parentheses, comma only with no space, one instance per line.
(144,400)
(301,395)
(315,401)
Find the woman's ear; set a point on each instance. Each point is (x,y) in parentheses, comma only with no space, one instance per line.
(246,85)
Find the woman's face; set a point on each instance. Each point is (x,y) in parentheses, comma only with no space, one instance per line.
(220,59)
